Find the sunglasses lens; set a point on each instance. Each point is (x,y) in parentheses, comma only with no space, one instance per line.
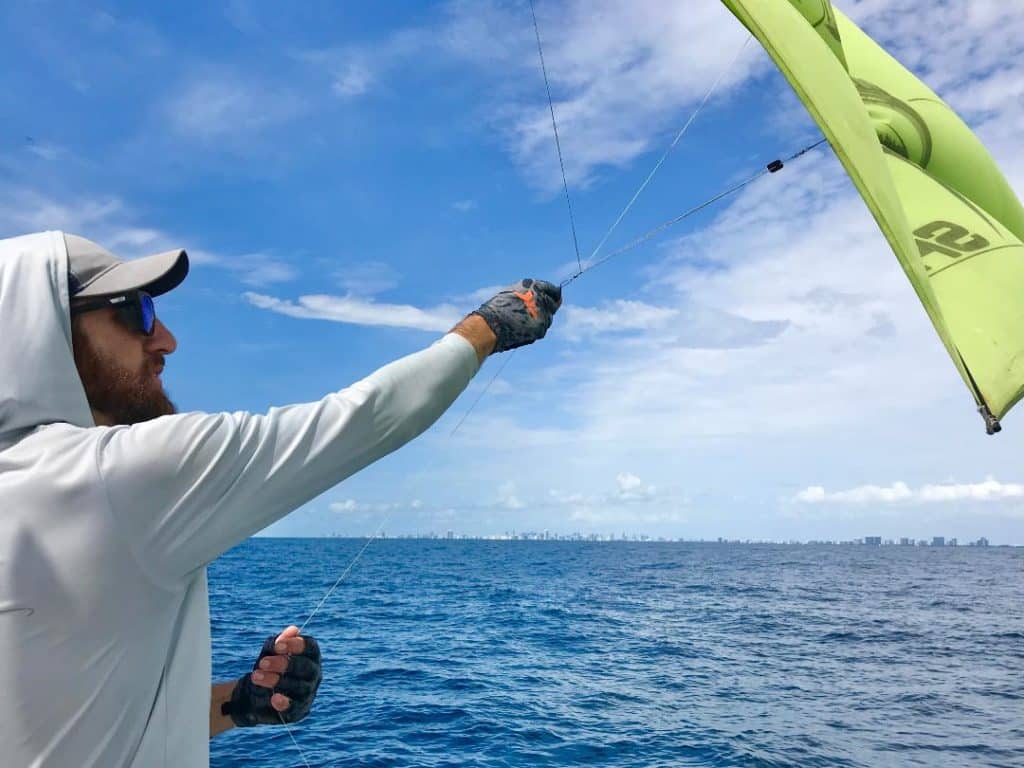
(147,313)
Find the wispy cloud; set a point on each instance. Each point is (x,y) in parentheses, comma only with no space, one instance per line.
(24,210)
(367,278)
(630,490)
(45,150)
(352,506)
(358,311)
(989,489)
(352,80)
(112,224)
(464,206)
(351,70)
(258,269)
(619,76)
(618,316)
(223,105)
(632,503)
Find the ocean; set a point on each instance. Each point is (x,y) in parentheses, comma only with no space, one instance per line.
(546,653)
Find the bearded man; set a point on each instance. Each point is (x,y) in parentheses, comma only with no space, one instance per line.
(112,504)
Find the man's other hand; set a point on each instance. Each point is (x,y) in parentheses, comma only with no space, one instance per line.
(282,685)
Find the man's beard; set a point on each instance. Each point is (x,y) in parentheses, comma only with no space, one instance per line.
(123,396)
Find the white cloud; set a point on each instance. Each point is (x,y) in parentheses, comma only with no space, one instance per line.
(252,269)
(632,488)
(899,492)
(619,75)
(110,223)
(24,210)
(987,490)
(507,497)
(224,106)
(358,311)
(352,506)
(618,316)
(865,494)
(464,206)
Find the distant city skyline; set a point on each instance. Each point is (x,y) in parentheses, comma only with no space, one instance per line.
(869,541)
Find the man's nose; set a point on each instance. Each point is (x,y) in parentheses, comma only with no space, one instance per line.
(162,340)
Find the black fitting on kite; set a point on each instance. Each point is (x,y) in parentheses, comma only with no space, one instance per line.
(775,166)
(992,425)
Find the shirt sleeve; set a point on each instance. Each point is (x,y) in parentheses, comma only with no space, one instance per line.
(187,487)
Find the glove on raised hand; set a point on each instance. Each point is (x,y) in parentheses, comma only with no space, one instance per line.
(522,313)
(250,703)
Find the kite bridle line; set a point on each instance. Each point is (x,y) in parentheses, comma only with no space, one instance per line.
(771,168)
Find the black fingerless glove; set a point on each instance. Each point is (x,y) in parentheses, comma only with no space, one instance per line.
(250,703)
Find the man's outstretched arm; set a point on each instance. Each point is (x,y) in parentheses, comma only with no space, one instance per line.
(212,480)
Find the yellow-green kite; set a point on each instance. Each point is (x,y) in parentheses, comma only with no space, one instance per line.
(950,216)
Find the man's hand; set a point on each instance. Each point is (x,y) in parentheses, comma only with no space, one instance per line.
(282,685)
(522,313)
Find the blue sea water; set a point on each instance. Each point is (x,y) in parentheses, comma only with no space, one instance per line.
(508,653)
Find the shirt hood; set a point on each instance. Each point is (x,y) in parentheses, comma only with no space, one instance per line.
(39,383)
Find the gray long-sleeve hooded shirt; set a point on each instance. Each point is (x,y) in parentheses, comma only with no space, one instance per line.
(105,532)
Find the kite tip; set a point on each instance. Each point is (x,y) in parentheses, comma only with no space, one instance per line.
(992,425)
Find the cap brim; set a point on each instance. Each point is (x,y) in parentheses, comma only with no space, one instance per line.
(154,274)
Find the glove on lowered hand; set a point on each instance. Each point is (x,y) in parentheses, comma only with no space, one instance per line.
(250,703)
(522,313)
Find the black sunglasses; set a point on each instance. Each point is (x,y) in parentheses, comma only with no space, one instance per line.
(135,309)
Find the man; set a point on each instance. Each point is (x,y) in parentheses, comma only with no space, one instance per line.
(112,504)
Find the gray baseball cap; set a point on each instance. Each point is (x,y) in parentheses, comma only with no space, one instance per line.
(94,271)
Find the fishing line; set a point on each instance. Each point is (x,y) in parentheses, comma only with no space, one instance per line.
(288,728)
(347,569)
(558,144)
(324,599)
(664,157)
(483,392)
(773,167)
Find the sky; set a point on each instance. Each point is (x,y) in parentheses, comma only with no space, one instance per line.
(351,179)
